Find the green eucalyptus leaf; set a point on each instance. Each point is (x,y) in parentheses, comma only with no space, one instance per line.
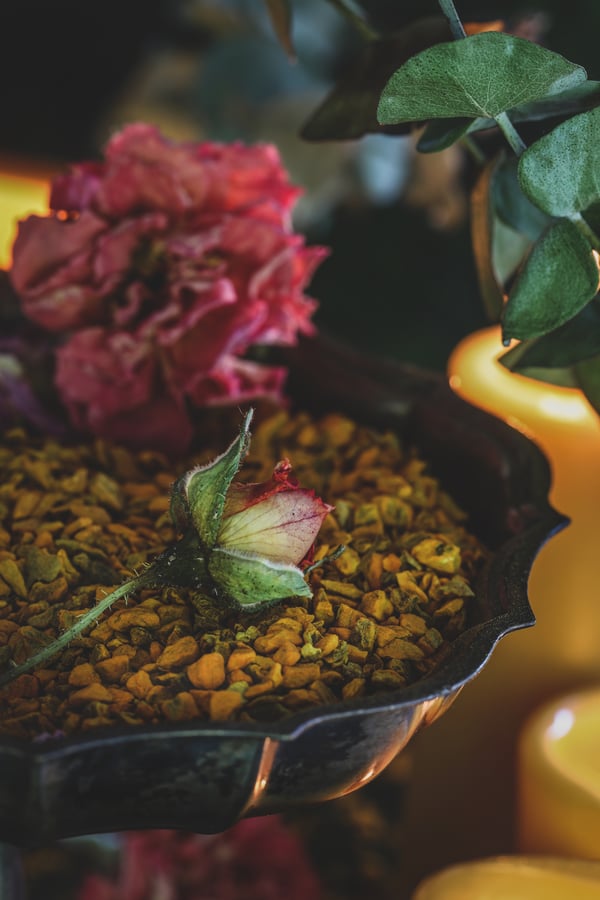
(200,494)
(568,103)
(250,581)
(585,95)
(482,224)
(559,277)
(350,110)
(482,75)
(588,379)
(442,133)
(512,206)
(561,377)
(576,340)
(280,13)
(509,249)
(560,172)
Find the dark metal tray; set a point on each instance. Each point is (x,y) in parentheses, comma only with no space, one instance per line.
(205,777)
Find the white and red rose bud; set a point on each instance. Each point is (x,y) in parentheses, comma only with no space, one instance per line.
(251,538)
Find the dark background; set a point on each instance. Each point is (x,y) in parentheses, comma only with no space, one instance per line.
(393,284)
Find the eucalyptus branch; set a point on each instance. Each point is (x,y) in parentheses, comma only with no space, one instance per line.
(510,133)
(357,22)
(456,26)
(83,622)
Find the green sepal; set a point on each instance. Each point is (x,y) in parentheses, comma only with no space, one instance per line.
(480,76)
(251,582)
(558,278)
(198,497)
(181,565)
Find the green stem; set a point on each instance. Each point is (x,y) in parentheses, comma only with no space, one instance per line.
(473,148)
(76,629)
(456,26)
(510,133)
(586,230)
(355,20)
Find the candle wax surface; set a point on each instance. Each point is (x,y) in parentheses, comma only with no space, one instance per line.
(559,778)
(514,878)
(572,742)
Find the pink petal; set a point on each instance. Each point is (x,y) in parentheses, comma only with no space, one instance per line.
(236,381)
(146,172)
(75,190)
(116,248)
(51,270)
(281,528)
(106,372)
(241,496)
(240,176)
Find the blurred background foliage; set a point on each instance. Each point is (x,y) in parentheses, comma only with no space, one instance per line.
(400,280)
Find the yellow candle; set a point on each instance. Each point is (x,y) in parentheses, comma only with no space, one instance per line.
(20,195)
(517,878)
(559,777)
(463,791)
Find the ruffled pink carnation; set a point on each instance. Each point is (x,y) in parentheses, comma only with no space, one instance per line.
(257,859)
(160,267)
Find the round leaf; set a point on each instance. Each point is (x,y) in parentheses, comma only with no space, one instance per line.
(350,110)
(576,340)
(568,103)
(442,133)
(560,172)
(482,75)
(558,278)
(511,204)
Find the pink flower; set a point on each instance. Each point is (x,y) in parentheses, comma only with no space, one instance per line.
(159,268)
(257,859)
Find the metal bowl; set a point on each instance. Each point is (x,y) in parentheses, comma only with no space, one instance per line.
(203,777)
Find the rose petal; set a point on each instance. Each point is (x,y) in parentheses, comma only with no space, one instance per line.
(52,269)
(241,176)
(236,381)
(241,496)
(76,189)
(101,374)
(281,528)
(146,172)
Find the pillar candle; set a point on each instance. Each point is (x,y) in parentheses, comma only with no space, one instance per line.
(520,878)
(559,777)
(462,797)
